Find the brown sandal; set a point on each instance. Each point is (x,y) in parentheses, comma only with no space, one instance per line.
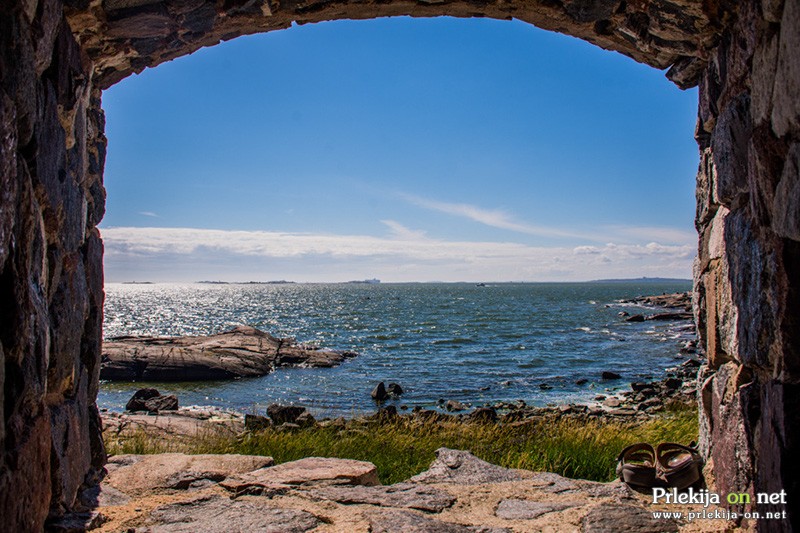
(680,466)
(636,467)
(669,465)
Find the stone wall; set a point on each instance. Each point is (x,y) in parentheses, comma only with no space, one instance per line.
(56,56)
(51,279)
(747,273)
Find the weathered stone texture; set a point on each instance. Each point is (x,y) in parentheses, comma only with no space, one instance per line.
(50,277)
(747,272)
(126,36)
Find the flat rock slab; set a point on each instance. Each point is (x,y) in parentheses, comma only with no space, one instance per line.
(241,352)
(140,473)
(628,518)
(181,423)
(457,466)
(529,510)
(216,514)
(391,521)
(308,471)
(406,495)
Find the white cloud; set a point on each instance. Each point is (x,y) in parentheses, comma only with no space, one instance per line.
(148,214)
(400,231)
(495,218)
(175,254)
(655,233)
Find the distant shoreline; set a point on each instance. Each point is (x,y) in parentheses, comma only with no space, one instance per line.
(380,282)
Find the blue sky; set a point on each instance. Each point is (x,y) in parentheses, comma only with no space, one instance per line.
(403,149)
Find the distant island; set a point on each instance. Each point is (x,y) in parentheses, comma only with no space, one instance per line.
(642,280)
(372,281)
(275,282)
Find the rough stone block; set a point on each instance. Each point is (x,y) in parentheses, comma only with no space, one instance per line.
(785,102)
(732,398)
(730,142)
(786,205)
(764,63)
(590,10)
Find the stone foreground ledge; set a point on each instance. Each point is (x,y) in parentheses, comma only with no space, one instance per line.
(459,493)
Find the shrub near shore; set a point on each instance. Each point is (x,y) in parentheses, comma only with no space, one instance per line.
(401,447)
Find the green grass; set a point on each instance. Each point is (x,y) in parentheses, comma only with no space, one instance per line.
(402,448)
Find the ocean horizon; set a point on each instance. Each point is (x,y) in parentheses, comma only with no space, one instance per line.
(477,343)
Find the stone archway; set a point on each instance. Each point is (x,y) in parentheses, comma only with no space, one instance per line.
(56,56)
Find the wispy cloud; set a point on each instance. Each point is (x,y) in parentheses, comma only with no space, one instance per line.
(402,232)
(148,214)
(495,218)
(498,218)
(404,255)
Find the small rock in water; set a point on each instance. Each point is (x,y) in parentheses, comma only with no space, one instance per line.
(305,420)
(610,375)
(162,403)
(256,422)
(386,413)
(582,381)
(394,389)
(612,402)
(483,414)
(623,313)
(545,386)
(635,318)
(379,393)
(153,404)
(455,405)
(281,414)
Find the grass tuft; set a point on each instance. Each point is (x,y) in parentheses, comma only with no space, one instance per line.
(404,447)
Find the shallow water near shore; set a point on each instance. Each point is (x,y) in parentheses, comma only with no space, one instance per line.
(474,344)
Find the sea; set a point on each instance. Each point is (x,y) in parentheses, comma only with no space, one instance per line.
(475,343)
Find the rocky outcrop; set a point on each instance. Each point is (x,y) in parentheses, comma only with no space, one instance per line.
(241,352)
(152,401)
(676,300)
(142,474)
(174,492)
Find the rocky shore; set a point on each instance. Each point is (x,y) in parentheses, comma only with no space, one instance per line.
(241,352)
(644,398)
(458,493)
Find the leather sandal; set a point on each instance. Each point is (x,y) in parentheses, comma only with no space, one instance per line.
(637,467)
(680,466)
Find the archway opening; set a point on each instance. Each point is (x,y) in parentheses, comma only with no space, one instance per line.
(410,151)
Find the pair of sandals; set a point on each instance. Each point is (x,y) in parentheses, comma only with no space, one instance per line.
(668,465)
